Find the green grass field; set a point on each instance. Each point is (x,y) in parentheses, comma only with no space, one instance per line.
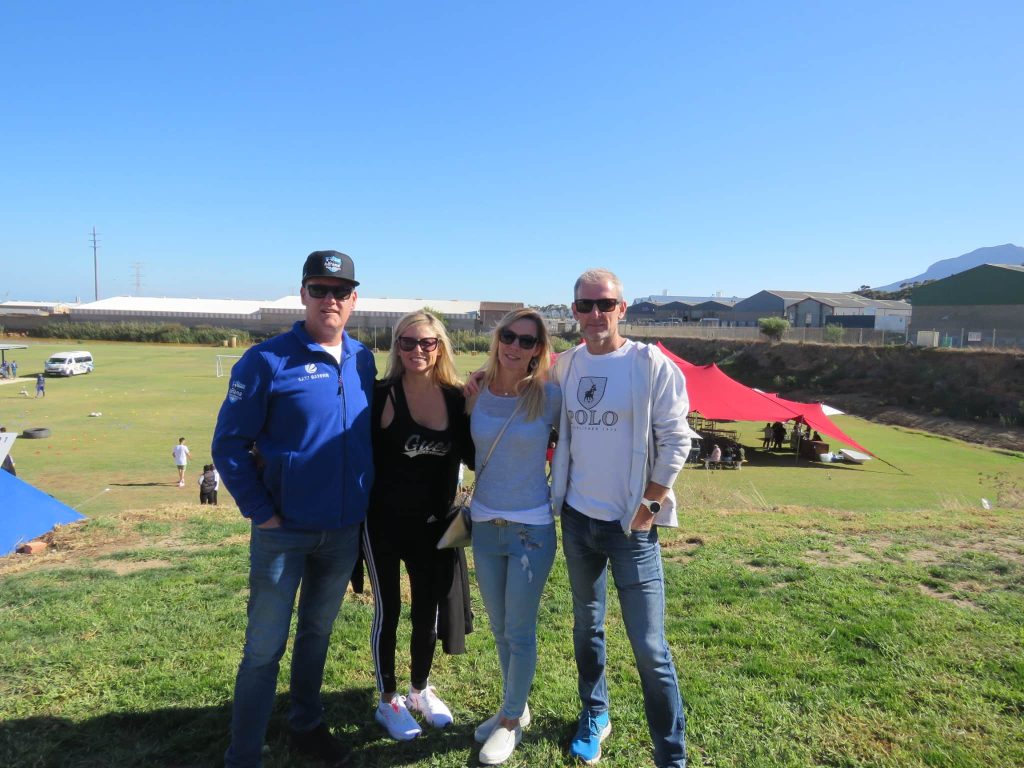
(820,615)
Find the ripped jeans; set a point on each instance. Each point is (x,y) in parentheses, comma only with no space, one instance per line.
(512,562)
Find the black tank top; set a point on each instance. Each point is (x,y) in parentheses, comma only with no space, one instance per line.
(416,468)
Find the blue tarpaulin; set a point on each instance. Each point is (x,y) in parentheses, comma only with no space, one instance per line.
(27,513)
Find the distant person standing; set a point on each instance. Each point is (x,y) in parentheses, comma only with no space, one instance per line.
(209,483)
(768,434)
(40,386)
(181,455)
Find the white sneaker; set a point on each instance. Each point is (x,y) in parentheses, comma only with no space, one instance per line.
(395,717)
(500,744)
(429,704)
(486,728)
(181,483)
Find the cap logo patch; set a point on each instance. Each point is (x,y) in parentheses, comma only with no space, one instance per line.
(332,263)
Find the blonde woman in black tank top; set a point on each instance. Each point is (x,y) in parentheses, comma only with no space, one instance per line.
(420,435)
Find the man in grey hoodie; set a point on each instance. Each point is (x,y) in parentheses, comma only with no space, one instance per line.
(623,438)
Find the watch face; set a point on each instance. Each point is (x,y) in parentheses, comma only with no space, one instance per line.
(655,507)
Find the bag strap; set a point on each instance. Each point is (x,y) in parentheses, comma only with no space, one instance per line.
(495,443)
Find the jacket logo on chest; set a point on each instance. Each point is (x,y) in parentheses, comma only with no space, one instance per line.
(310,367)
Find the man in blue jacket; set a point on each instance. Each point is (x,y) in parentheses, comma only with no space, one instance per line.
(292,445)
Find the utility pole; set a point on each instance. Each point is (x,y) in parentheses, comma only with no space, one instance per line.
(137,266)
(95,264)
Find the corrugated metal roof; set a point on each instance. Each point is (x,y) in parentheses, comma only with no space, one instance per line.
(660,299)
(172,305)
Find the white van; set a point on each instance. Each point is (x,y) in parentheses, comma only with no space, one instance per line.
(68,363)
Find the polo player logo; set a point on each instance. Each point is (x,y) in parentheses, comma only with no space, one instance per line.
(591,390)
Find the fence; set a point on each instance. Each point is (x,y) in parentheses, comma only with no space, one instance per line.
(859,336)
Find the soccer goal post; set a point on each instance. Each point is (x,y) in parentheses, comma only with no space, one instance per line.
(224,364)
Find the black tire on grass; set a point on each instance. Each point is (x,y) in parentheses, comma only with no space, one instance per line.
(36,433)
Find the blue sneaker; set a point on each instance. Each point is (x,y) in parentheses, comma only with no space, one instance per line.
(593,729)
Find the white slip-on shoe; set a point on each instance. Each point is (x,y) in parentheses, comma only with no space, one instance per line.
(395,718)
(486,728)
(500,745)
(429,704)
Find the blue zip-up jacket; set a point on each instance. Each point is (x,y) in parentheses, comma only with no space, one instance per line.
(309,423)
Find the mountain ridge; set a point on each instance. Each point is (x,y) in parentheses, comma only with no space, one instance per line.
(995,254)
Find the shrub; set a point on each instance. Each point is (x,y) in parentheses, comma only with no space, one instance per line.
(170,333)
(773,327)
(833,334)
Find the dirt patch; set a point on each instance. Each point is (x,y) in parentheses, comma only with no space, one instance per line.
(685,547)
(923,557)
(839,555)
(79,542)
(1009,548)
(127,567)
(948,597)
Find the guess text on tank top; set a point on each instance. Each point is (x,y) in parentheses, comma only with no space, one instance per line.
(416,445)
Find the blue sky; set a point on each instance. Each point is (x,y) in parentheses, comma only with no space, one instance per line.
(484,150)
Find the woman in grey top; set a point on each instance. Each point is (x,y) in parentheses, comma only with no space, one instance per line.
(513,527)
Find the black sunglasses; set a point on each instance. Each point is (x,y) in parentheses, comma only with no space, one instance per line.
(525,340)
(319,291)
(408,344)
(586,306)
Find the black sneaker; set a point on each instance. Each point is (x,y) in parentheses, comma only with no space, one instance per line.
(320,744)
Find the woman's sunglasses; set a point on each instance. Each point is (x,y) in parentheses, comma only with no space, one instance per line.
(525,340)
(586,306)
(408,344)
(319,291)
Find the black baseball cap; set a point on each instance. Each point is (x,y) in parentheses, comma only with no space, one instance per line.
(329,264)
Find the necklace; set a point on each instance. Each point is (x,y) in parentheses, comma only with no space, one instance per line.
(504,392)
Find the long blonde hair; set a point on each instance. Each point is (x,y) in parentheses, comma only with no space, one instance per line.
(443,373)
(532,388)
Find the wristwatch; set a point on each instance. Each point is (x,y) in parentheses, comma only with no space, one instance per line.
(651,504)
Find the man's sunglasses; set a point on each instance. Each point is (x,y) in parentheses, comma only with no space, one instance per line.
(586,306)
(408,344)
(320,291)
(525,340)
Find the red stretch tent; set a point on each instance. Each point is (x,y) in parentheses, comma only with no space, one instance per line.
(715,395)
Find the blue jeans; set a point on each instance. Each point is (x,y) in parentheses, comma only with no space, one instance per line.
(589,546)
(279,560)
(512,563)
